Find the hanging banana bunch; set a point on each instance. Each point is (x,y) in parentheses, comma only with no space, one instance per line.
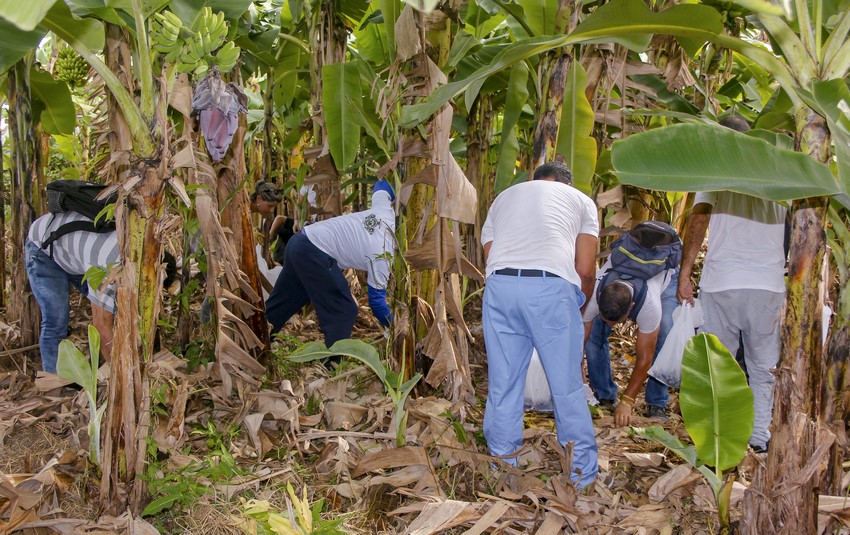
(71,68)
(196,48)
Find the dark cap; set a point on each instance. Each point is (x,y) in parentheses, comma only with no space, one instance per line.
(267,191)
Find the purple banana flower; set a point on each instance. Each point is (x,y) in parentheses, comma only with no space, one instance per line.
(219,104)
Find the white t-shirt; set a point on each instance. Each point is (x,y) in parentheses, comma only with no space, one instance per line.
(649,316)
(534,225)
(362,240)
(745,243)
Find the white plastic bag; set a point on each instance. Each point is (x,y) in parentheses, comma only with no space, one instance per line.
(667,367)
(537,395)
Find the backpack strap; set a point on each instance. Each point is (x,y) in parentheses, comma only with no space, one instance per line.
(639,297)
(67,228)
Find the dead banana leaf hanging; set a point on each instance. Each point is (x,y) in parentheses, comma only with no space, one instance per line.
(219,105)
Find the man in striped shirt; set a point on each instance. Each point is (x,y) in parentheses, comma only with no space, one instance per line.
(53,270)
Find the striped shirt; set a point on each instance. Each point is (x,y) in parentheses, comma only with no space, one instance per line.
(76,252)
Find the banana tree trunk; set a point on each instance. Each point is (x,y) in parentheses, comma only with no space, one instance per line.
(138,300)
(237,217)
(784,493)
(478,169)
(3,203)
(25,162)
(554,67)
(328,41)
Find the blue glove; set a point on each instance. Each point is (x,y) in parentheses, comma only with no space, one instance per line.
(378,304)
(383,185)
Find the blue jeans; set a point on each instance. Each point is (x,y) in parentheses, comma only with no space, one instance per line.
(598,353)
(51,286)
(525,313)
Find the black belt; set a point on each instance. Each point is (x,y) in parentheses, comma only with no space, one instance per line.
(524,272)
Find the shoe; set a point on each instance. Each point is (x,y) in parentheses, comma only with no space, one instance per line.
(760,449)
(657,413)
(608,404)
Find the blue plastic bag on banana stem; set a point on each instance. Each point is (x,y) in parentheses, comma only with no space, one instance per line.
(667,367)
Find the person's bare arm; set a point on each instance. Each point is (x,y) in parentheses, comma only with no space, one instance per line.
(586,264)
(278,221)
(103,321)
(694,236)
(645,348)
(487,251)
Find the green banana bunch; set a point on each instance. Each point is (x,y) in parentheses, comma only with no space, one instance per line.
(210,29)
(227,56)
(71,68)
(165,34)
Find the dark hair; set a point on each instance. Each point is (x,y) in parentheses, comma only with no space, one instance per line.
(614,301)
(266,191)
(170,268)
(735,122)
(555,170)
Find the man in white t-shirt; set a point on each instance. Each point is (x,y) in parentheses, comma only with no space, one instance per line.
(316,256)
(742,287)
(539,243)
(653,317)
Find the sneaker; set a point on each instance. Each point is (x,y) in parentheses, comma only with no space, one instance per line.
(657,413)
(760,449)
(608,404)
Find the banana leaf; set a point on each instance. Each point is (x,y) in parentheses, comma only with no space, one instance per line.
(356,349)
(716,402)
(516,98)
(25,15)
(340,82)
(627,22)
(696,157)
(575,142)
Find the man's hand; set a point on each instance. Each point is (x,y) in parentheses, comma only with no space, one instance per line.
(685,291)
(623,413)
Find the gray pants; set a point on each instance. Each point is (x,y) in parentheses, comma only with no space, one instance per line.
(755,316)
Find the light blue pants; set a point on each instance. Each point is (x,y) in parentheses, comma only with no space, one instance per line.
(754,316)
(522,313)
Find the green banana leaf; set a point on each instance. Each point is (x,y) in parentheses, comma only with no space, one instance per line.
(628,22)
(357,349)
(25,15)
(14,43)
(340,82)
(575,142)
(390,9)
(62,22)
(716,402)
(371,38)
(696,157)
(827,97)
(52,104)
(515,99)
(540,15)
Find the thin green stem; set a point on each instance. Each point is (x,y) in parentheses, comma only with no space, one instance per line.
(294,40)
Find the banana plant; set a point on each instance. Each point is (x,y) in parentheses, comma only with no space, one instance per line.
(72,365)
(397,390)
(717,408)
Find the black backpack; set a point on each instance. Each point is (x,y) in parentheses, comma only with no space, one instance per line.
(648,249)
(81,197)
